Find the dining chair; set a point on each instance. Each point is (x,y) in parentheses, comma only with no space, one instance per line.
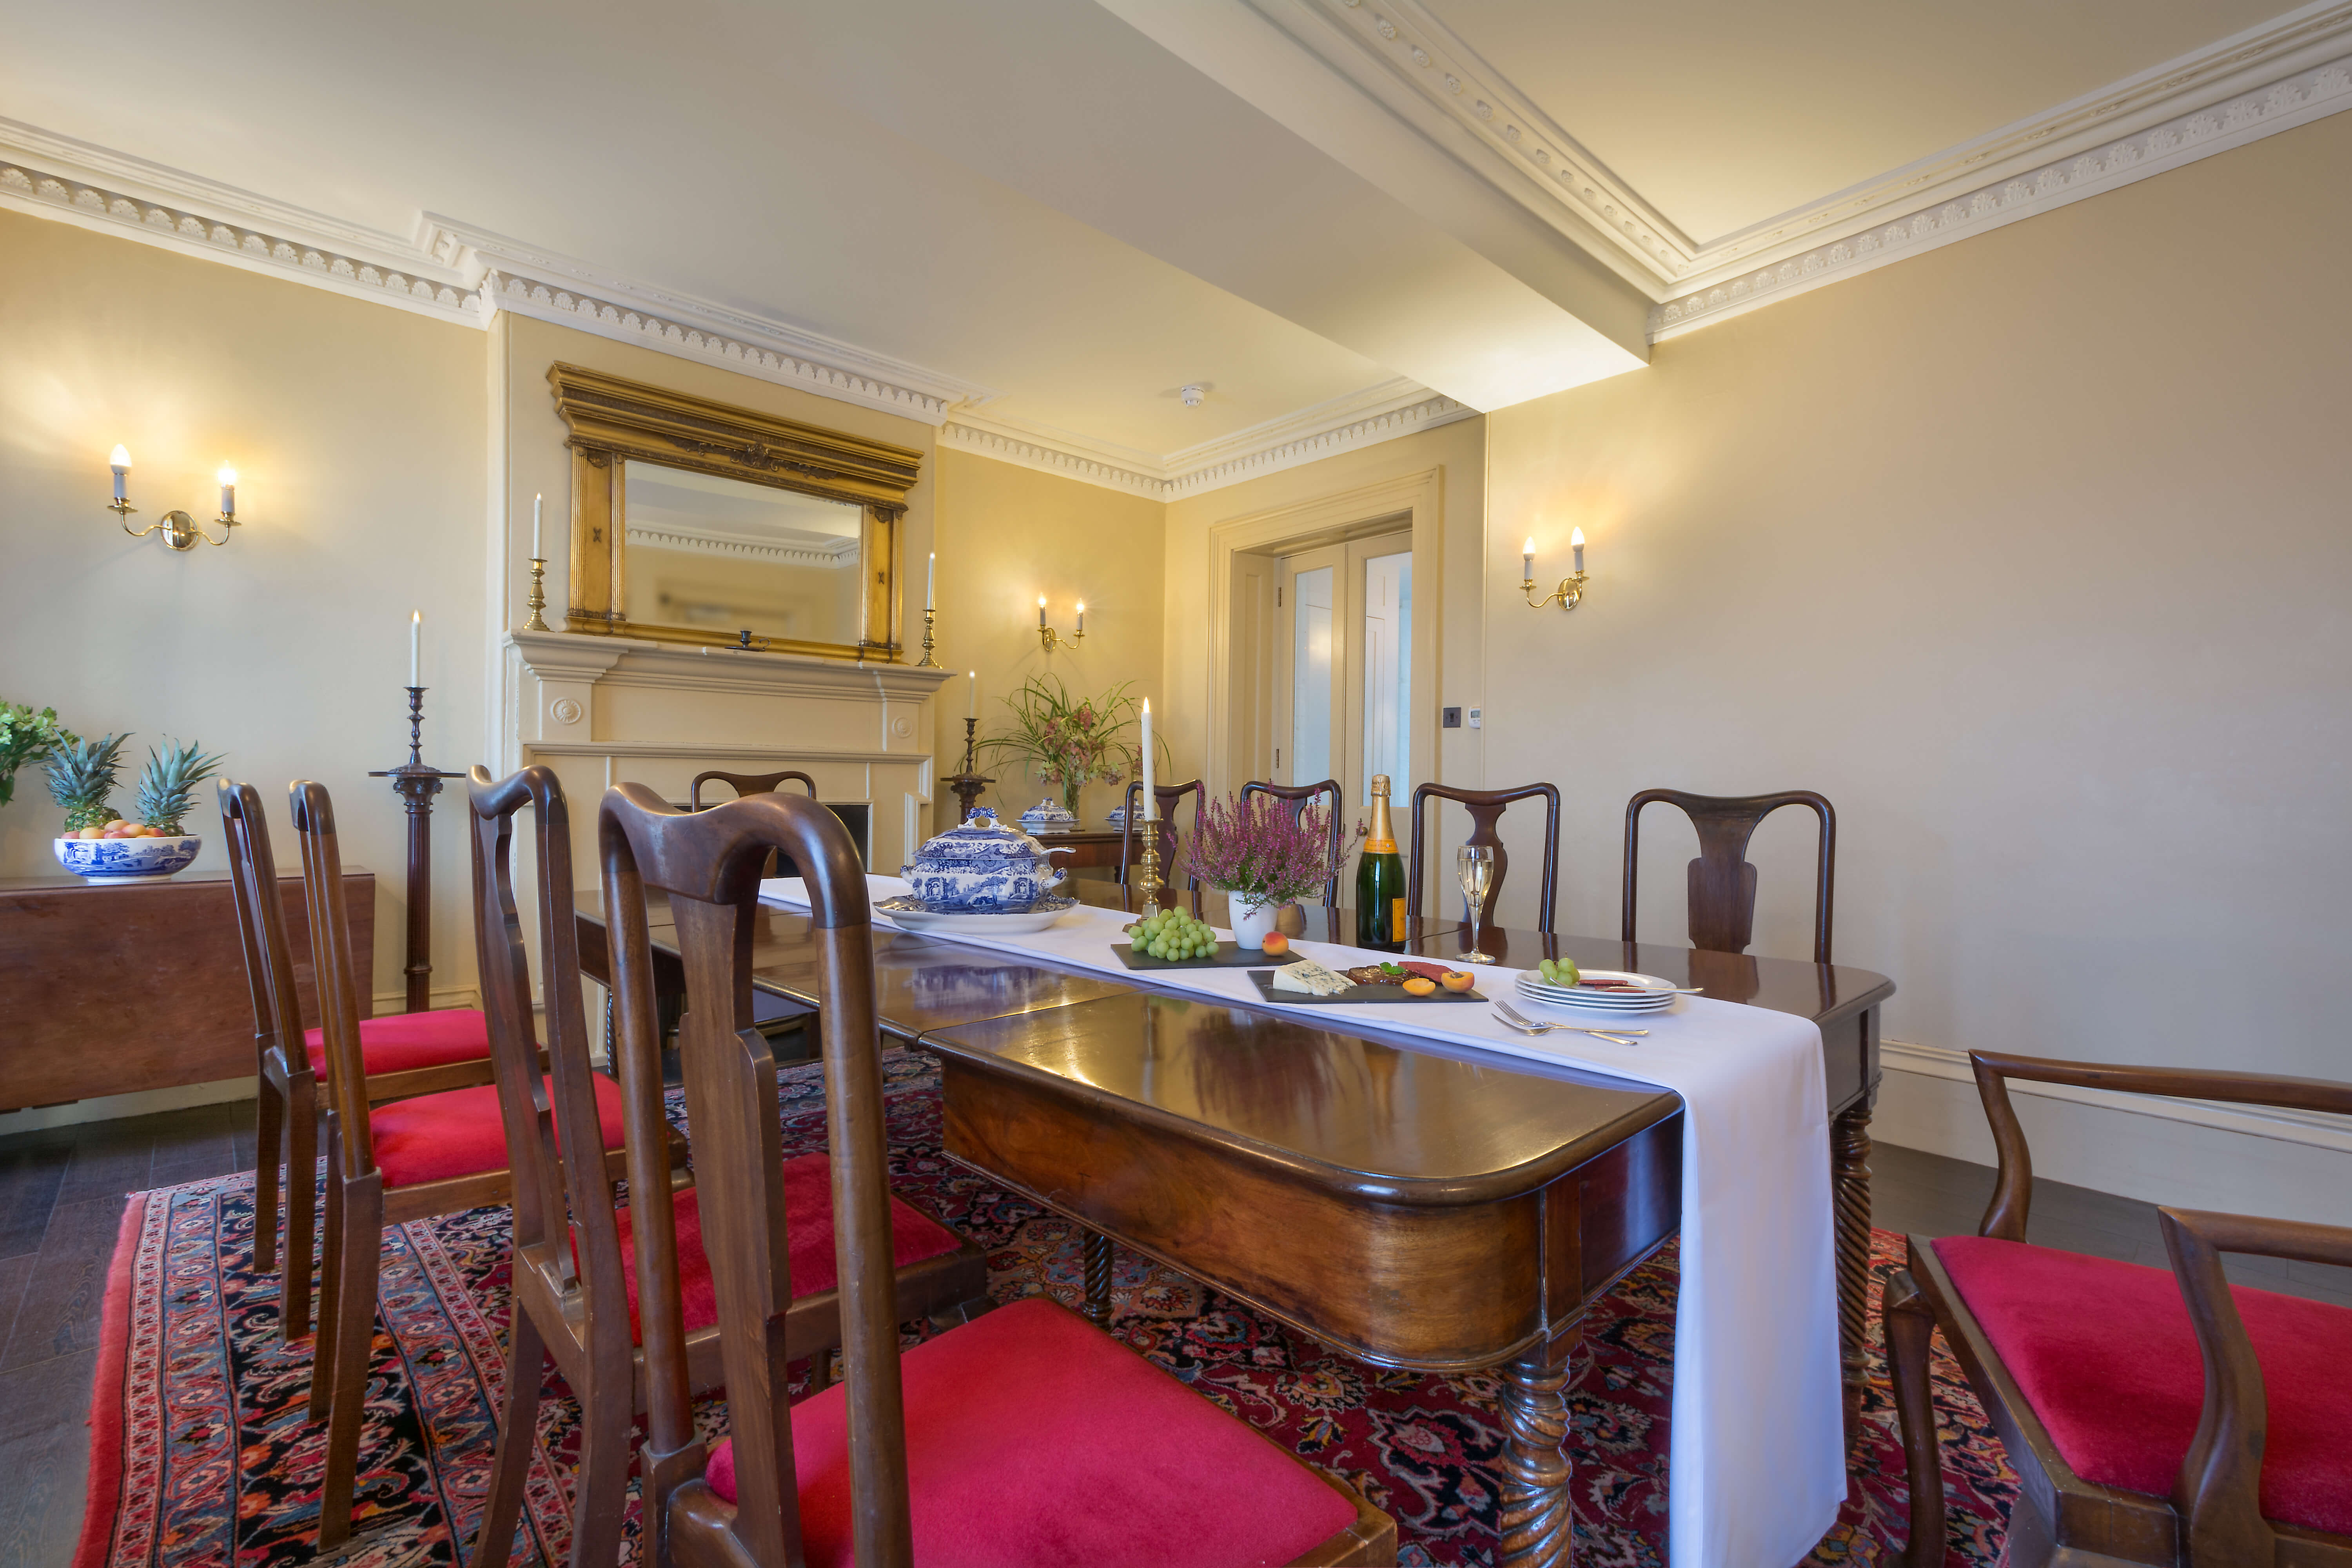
(410,1159)
(1025,1436)
(1165,799)
(575,1285)
(1722,882)
(2153,1416)
(1300,797)
(1486,808)
(746,784)
(402,1053)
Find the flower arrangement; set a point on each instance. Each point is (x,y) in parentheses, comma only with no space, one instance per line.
(1067,741)
(1252,848)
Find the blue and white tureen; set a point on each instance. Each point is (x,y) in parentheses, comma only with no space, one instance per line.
(1048,818)
(982,868)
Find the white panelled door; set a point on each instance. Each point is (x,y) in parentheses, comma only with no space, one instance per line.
(1343,667)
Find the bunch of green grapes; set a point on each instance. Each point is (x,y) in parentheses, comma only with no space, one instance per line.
(1172,934)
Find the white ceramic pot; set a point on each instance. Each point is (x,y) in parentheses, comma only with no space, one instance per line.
(127,859)
(1252,922)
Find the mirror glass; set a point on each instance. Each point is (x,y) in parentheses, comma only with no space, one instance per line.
(720,555)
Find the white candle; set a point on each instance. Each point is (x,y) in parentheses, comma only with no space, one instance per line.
(932,583)
(535,551)
(1041,609)
(1576,546)
(1528,559)
(972,694)
(416,626)
(121,461)
(1082,618)
(227,476)
(1150,810)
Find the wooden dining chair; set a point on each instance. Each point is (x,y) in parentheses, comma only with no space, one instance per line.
(1025,1436)
(1166,798)
(1486,808)
(575,1285)
(1722,882)
(402,1053)
(1300,797)
(2153,1416)
(746,784)
(386,1164)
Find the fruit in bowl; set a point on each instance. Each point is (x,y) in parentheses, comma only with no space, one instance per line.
(98,845)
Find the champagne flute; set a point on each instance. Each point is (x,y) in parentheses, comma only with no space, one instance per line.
(1473,864)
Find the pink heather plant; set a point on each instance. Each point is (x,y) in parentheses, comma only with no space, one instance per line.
(1250,847)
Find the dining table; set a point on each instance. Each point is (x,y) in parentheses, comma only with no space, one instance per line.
(1411,1202)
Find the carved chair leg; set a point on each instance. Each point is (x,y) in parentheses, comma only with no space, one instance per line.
(1535,1512)
(354,1266)
(606,1452)
(296,1262)
(517,1435)
(1850,1195)
(1097,1256)
(269,1153)
(1910,1331)
(323,1349)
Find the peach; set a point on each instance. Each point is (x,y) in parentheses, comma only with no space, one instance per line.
(1455,980)
(91,833)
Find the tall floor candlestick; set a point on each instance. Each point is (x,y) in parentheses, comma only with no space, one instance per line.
(968,784)
(417,782)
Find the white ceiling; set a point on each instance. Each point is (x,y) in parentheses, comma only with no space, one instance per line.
(1084,206)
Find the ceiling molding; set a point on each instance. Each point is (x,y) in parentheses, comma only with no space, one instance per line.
(2303,97)
(56,177)
(1381,413)
(1472,110)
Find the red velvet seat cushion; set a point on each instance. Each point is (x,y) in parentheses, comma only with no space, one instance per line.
(402,1042)
(1035,1440)
(459,1133)
(808,1239)
(2103,1352)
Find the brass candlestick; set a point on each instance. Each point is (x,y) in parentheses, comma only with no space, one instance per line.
(1147,869)
(926,661)
(968,784)
(538,600)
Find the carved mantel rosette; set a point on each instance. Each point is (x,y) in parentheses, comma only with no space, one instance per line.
(610,417)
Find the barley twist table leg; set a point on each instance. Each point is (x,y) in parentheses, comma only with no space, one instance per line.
(1536,1515)
(1850,1192)
(1098,1259)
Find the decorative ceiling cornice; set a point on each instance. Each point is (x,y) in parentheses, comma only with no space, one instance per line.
(1401,54)
(2307,96)
(1381,413)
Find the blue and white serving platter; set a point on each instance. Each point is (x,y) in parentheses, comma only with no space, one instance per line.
(910,913)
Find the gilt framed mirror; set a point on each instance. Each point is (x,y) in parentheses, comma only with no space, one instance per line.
(695,522)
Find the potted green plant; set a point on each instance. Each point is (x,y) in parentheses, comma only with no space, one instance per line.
(1251,848)
(1069,742)
(27,736)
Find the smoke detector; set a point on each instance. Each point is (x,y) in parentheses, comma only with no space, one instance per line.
(1193,396)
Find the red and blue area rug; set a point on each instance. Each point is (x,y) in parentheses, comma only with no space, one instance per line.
(202,1455)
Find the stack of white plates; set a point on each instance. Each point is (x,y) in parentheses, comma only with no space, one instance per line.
(1644,993)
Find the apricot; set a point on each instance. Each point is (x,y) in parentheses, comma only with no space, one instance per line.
(1421,985)
(1455,980)
(1276,945)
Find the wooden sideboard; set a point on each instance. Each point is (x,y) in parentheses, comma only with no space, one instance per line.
(112,988)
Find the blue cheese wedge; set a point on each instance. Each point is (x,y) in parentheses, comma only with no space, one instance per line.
(1309,977)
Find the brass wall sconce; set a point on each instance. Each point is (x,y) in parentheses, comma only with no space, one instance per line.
(1569,593)
(1051,639)
(176,529)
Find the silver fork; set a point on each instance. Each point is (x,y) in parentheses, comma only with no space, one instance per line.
(1533,1026)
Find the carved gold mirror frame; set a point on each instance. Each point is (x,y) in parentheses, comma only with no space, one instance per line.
(612,421)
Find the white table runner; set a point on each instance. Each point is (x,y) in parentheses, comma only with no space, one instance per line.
(1756,1457)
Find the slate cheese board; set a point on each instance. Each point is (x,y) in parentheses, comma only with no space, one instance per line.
(1355,993)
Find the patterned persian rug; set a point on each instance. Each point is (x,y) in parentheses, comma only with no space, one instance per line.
(201,1453)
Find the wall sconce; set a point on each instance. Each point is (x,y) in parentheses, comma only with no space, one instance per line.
(1570,591)
(177,529)
(1049,638)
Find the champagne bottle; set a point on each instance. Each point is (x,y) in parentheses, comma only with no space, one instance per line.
(1379,879)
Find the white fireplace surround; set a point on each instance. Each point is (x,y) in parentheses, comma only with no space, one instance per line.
(601,710)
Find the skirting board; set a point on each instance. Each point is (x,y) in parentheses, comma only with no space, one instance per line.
(2186,1153)
(148,1101)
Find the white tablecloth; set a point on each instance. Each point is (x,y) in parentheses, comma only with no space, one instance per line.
(1757,1460)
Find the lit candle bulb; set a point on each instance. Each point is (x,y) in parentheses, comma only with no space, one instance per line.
(415,629)
(1041,609)
(119,459)
(930,583)
(227,476)
(535,553)
(1576,548)
(1528,559)
(1082,618)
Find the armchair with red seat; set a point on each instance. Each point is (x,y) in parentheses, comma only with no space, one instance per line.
(2152,1417)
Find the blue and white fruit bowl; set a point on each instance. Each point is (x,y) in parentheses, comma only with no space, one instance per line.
(128,859)
(983,867)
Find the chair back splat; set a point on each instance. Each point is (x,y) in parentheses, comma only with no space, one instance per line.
(1486,808)
(1722,882)
(708,863)
(746,784)
(1300,797)
(1165,799)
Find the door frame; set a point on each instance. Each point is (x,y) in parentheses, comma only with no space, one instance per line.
(1238,728)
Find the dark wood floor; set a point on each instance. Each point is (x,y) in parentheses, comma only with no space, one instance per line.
(61,1196)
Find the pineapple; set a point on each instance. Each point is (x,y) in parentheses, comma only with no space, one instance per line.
(82,777)
(167,786)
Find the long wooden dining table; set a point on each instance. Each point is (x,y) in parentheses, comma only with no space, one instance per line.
(1412,1203)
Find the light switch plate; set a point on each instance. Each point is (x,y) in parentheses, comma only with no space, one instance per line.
(1450,718)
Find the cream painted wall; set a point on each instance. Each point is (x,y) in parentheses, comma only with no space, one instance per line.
(358,433)
(2030,552)
(1459,452)
(1007,535)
